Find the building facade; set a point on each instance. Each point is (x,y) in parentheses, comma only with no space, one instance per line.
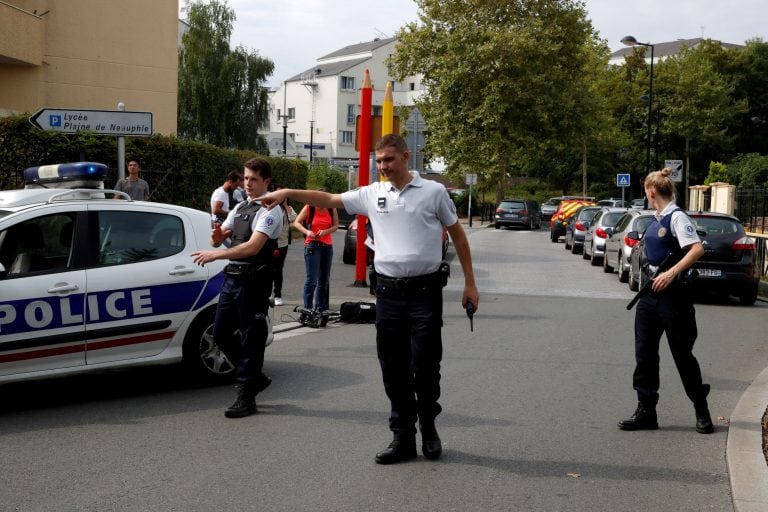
(90,55)
(313,114)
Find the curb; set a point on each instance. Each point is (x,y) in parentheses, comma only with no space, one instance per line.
(746,462)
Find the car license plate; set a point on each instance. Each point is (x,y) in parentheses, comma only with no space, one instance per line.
(710,272)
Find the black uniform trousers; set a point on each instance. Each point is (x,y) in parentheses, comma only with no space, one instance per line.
(670,312)
(410,348)
(244,306)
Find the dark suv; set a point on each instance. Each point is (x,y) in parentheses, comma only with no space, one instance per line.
(518,212)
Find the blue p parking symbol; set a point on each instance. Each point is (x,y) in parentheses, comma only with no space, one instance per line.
(54,120)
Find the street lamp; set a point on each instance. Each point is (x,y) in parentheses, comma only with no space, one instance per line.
(631,41)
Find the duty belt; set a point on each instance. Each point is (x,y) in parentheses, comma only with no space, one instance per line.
(405,284)
(237,269)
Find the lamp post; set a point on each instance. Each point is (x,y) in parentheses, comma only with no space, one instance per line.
(285,134)
(631,41)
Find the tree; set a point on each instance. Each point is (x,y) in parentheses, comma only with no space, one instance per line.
(698,99)
(505,81)
(222,97)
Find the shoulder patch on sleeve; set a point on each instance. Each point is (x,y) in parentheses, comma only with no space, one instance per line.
(690,229)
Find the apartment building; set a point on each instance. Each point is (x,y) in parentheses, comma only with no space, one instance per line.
(90,54)
(313,113)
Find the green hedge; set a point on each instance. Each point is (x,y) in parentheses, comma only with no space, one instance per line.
(178,171)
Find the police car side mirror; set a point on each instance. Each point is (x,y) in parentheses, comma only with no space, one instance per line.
(634,235)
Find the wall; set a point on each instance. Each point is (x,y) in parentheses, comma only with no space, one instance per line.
(97,53)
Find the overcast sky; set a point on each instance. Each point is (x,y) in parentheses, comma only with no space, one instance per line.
(294,33)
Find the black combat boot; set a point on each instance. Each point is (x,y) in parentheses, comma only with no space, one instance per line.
(644,418)
(402,447)
(431,446)
(703,419)
(245,403)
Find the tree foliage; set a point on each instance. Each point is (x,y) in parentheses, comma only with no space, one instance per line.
(222,99)
(505,80)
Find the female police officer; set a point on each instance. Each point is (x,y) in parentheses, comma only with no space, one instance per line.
(670,239)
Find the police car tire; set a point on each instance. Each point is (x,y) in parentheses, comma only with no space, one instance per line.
(197,343)
(567,245)
(633,284)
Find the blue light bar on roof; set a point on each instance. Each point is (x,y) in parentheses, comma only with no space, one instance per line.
(91,171)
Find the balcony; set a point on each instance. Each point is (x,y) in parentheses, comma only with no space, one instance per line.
(21,36)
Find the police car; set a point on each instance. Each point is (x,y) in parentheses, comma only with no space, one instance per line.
(89,282)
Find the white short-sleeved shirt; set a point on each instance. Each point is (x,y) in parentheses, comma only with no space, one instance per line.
(681,225)
(407,224)
(219,195)
(269,222)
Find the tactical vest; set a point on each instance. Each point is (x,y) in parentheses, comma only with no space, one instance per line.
(241,232)
(659,241)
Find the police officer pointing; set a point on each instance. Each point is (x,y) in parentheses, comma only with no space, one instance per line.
(407,214)
(670,240)
(244,298)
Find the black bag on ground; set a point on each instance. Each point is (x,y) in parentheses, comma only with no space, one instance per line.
(357,312)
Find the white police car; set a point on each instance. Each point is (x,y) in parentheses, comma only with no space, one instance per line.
(88,282)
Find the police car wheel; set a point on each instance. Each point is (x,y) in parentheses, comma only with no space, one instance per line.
(633,284)
(202,357)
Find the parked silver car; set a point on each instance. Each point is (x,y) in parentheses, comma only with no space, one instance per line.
(577,227)
(618,246)
(600,229)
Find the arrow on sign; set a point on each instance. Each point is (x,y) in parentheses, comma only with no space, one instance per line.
(102,122)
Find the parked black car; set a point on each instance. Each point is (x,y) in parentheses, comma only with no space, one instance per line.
(518,212)
(728,266)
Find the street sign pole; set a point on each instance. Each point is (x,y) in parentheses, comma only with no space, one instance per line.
(471,180)
(121,149)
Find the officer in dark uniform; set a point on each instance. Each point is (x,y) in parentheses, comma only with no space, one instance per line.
(671,240)
(244,297)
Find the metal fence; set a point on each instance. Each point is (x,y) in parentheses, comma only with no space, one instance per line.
(751,207)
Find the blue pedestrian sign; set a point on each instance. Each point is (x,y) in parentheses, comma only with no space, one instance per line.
(622,180)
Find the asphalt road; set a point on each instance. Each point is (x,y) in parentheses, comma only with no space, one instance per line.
(530,399)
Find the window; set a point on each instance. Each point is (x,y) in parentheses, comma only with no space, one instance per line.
(347,83)
(412,86)
(346,137)
(375,110)
(278,116)
(129,237)
(291,113)
(351,114)
(39,245)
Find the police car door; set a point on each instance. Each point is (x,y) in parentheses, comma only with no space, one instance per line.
(141,283)
(42,303)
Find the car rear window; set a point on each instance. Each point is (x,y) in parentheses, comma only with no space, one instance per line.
(611,218)
(512,205)
(642,223)
(717,226)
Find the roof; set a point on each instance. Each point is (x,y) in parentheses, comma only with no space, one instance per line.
(338,62)
(327,69)
(668,48)
(353,49)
